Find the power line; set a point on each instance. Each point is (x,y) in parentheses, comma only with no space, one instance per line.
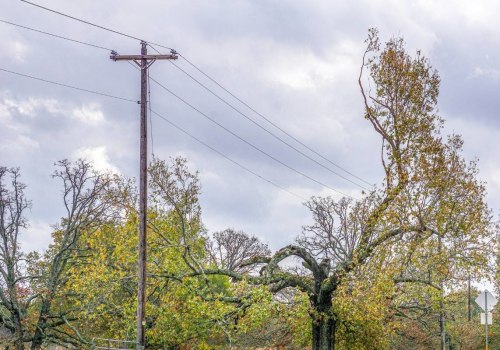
(93,24)
(264,129)
(56,35)
(207,76)
(226,157)
(246,141)
(271,122)
(165,119)
(68,86)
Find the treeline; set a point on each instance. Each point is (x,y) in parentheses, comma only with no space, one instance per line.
(388,271)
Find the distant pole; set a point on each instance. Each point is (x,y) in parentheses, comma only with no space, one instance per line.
(469,303)
(486,315)
(144,61)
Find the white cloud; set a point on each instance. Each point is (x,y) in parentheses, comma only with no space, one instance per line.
(305,70)
(18,50)
(98,156)
(478,72)
(30,106)
(89,114)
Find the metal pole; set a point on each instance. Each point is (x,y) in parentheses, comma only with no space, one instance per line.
(486,315)
(143,182)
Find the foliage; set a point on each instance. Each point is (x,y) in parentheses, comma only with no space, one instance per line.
(34,299)
(182,310)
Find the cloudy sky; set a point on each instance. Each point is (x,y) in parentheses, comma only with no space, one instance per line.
(295,62)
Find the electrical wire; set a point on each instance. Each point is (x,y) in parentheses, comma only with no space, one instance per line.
(93,24)
(68,86)
(246,141)
(271,122)
(211,79)
(226,157)
(166,120)
(268,131)
(259,125)
(56,35)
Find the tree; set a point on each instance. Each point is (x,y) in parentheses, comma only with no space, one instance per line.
(347,235)
(104,276)
(32,295)
(420,329)
(230,248)
(459,229)
(85,198)
(13,300)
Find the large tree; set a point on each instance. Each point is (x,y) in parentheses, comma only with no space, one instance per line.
(414,203)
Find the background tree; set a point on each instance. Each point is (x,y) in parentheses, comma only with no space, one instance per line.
(32,299)
(230,248)
(14,302)
(88,205)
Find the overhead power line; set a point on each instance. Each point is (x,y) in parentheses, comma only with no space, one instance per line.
(93,24)
(226,157)
(198,82)
(162,117)
(271,122)
(197,110)
(214,81)
(56,35)
(68,86)
(263,128)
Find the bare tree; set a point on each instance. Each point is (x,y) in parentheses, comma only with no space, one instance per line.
(230,248)
(13,204)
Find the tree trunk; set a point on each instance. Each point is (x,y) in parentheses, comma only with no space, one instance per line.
(19,344)
(39,335)
(324,324)
(442,329)
(19,330)
(323,333)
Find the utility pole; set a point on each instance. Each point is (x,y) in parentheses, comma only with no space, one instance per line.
(469,302)
(486,315)
(144,61)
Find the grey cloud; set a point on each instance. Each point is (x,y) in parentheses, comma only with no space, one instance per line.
(296,62)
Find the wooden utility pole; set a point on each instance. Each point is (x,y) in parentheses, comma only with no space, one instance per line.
(144,61)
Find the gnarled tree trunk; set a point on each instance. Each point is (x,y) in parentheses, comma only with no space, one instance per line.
(323,333)
(323,323)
